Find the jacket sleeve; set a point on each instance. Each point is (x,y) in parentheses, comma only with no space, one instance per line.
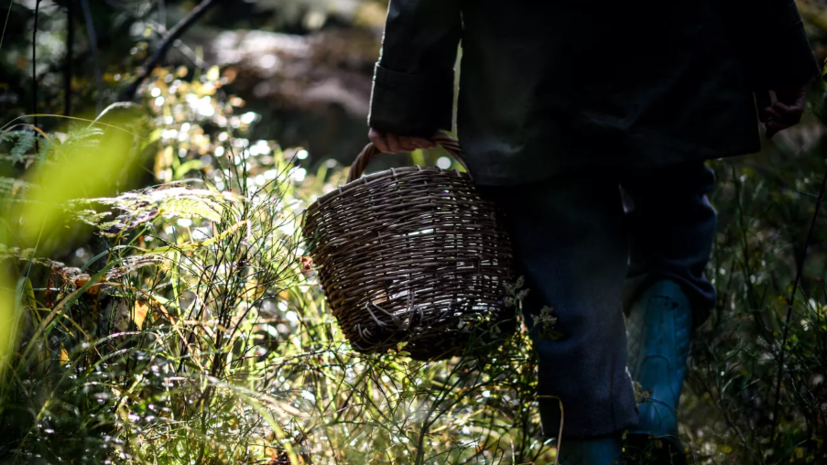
(770,39)
(413,84)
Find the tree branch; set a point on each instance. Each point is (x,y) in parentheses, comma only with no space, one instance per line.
(160,29)
(93,44)
(83,55)
(129,92)
(69,63)
(34,70)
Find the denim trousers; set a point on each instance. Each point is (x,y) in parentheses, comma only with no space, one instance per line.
(587,244)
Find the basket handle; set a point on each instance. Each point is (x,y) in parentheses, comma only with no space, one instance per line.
(450,144)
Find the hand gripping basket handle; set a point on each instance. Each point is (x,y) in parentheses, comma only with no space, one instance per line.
(447,142)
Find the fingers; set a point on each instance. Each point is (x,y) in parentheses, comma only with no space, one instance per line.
(392,143)
(781,116)
(395,144)
(379,140)
(794,111)
(786,111)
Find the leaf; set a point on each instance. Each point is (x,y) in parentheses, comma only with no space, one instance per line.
(186,167)
(43,154)
(29,294)
(25,142)
(11,187)
(140,207)
(213,74)
(255,290)
(8,313)
(192,207)
(194,245)
(139,313)
(79,172)
(25,294)
(64,356)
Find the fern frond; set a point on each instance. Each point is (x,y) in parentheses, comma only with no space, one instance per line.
(140,207)
(12,187)
(25,142)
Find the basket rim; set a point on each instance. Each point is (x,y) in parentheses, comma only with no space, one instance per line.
(383,174)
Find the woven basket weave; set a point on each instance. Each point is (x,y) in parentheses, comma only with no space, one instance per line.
(410,255)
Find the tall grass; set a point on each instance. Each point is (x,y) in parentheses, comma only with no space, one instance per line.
(190,328)
(767,204)
(195,332)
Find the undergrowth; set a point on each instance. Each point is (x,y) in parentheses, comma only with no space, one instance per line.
(181,323)
(193,331)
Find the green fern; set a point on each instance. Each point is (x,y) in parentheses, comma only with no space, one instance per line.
(43,154)
(12,187)
(25,142)
(84,136)
(139,207)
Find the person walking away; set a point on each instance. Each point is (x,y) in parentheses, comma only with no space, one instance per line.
(560,103)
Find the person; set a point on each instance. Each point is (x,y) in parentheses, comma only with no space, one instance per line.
(590,122)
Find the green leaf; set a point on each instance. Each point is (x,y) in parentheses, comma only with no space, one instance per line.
(25,142)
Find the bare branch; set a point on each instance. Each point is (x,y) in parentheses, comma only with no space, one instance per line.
(93,44)
(69,61)
(174,33)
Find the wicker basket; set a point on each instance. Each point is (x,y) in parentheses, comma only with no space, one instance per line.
(411,255)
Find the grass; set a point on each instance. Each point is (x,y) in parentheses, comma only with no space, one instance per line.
(194,333)
(188,330)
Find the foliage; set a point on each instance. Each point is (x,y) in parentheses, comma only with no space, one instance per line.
(766,208)
(198,335)
(190,329)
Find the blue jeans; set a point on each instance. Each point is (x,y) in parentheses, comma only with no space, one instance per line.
(587,249)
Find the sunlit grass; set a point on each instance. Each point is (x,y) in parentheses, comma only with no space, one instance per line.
(188,329)
(8,317)
(194,333)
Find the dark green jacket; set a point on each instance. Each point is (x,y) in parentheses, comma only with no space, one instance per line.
(555,85)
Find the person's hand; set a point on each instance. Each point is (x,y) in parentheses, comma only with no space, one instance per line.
(393,143)
(785,112)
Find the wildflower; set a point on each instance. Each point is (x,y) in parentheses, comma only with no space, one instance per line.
(545,322)
(307,265)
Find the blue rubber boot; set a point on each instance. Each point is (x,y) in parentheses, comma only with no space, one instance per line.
(605,450)
(658,329)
